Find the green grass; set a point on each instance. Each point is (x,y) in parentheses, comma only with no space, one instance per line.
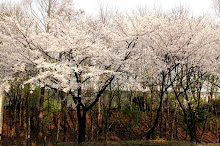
(134,143)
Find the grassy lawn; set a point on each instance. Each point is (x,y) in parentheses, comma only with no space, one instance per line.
(131,143)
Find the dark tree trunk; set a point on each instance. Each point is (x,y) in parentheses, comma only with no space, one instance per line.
(28,130)
(173,121)
(81,114)
(167,115)
(158,110)
(82,125)
(151,107)
(191,136)
(82,129)
(108,113)
(161,121)
(156,120)
(40,115)
(64,112)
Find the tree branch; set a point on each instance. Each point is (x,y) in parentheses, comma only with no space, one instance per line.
(100,92)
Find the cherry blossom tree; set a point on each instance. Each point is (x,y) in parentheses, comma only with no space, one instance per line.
(70,55)
(181,41)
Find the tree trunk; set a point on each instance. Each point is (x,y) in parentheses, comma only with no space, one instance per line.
(82,130)
(145,107)
(131,99)
(173,121)
(157,117)
(217,126)
(176,119)
(191,136)
(58,129)
(63,111)
(161,121)
(78,101)
(91,126)
(1,111)
(158,110)
(167,115)
(108,113)
(20,111)
(14,131)
(151,107)
(99,114)
(82,125)
(40,115)
(203,129)
(155,122)
(28,129)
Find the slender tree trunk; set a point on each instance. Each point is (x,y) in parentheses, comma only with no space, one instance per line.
(204,127)
(91,125)
(151,107)
(24,123)
(217,126)
(155,121)
(40,115)
(99,113)
(177,119)
(1,111)
(161,120)
(28,129)
(108,113)
(119,99)
(58,129)
(158,110)
(145,107)
(173,121)
(131,99)
(14,119)
(64,110)
(167,114)
(191,135)
(20,110)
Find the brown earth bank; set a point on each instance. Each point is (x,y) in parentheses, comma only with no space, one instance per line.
(120,128)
